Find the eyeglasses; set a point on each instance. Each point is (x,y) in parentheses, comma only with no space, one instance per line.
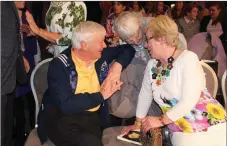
(148,38)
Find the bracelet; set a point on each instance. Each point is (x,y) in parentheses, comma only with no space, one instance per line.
(137,123)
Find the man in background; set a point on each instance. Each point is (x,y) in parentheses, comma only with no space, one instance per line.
(12,65)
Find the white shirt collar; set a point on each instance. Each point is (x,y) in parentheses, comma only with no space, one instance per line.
(188,21)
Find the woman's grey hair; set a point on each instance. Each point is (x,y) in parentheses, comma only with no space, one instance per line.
(86,31)
(127,25)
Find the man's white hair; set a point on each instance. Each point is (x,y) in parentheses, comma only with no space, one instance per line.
(127,25)
(86,31)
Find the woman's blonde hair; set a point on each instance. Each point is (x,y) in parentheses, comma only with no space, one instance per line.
(163,26)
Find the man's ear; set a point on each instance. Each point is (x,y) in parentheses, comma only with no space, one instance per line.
(83,45)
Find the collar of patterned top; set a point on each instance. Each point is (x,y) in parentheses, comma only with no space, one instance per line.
(188,21)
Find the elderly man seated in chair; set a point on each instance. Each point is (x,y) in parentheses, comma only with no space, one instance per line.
(71,105)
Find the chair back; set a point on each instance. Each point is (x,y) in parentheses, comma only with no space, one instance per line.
(211,79)
(38,83)
(224,86)
(166,8)
(204,43)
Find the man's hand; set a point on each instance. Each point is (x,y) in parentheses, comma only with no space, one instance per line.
(110,90)
(113,77)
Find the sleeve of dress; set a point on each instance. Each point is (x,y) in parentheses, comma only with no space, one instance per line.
(77,12)
(145,96)
(193,82)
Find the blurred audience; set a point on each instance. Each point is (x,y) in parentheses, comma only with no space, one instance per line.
(158,9)
(111,37)
(105,7)
(177,11)
(148,7)
(215,23)
(138,8)
(203,10)
(189,25)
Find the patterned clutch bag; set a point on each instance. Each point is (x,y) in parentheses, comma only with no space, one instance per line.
(152,138)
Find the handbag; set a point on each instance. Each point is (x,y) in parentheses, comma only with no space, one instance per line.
(152,138)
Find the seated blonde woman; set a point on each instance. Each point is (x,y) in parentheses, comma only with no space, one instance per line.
(176,81)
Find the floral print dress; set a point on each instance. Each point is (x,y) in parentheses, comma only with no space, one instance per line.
(62,17)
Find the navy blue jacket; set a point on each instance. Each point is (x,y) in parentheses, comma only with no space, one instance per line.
(62,81)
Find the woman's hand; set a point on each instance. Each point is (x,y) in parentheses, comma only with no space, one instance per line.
(151,122)
(127,129)
(32,23)
(26,29)
(113,77)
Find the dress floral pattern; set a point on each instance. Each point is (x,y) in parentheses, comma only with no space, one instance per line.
(206,113)
(62,17)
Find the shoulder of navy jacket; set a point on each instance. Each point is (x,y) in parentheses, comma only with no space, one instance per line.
(64,59)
